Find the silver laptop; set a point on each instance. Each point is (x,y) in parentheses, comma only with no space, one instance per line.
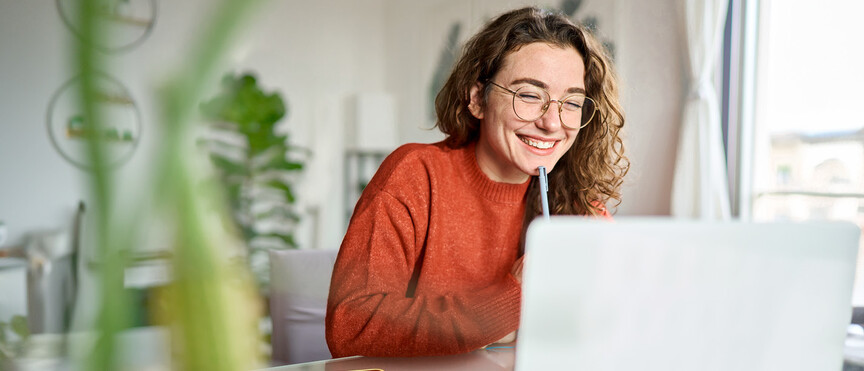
(660,294)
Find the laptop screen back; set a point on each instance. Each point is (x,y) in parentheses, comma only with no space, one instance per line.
(659,294)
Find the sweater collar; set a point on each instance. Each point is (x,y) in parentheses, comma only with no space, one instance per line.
(488,188)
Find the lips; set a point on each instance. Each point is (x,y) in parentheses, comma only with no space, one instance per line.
(538,143)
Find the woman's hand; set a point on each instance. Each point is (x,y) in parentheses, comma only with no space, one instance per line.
(509,338)
(516,271)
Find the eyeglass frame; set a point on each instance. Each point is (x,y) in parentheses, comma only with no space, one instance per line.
(547,104)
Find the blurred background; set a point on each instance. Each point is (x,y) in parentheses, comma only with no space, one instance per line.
(357,78)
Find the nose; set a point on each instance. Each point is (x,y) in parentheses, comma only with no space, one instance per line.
(551,118)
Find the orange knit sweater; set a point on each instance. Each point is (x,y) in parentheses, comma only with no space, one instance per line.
(424,268)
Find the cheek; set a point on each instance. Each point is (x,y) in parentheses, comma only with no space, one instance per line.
(502,115)
(571,141)
(497,122)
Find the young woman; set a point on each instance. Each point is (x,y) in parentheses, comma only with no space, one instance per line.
(432,260)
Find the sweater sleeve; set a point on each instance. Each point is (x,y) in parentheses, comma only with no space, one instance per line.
(602,211)
(370,312)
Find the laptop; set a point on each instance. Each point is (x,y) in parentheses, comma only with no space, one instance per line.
(663,294)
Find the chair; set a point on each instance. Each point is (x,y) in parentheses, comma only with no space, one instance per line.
(299,285)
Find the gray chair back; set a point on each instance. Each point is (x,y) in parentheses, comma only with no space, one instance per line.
(299,284)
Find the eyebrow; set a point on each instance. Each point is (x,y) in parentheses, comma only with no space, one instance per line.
(541,84)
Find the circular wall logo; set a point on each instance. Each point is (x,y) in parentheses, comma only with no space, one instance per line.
(67,124)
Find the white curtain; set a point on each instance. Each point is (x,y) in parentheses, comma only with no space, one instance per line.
(700,188)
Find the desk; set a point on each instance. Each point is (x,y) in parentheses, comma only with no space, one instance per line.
(498,359)
(480,360)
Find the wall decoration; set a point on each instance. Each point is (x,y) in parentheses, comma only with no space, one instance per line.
(130,21)
(572,7)
(67,124)
(446,60)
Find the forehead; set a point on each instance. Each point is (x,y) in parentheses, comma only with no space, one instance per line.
(560,68)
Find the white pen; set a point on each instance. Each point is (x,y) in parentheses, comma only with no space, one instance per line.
(544,188)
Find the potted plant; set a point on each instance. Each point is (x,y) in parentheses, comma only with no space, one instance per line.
(255,165)
(11,348)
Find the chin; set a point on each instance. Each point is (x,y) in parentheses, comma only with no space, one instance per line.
(532,170)
(529,165)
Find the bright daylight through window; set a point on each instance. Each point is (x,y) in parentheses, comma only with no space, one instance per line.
(809,115)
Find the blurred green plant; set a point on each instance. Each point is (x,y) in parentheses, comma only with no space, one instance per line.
(210,305)
(254,163)
(10,349)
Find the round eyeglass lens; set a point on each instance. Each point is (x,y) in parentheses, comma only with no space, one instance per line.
(577,111)
(530,102)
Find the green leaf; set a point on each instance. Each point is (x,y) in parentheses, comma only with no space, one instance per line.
(291,166)
(234,190)
(248,232)
(216,142)
(281,211)
(278,141)
(286,238)
(227,166)
(19,326)
(241,101)
(284,188)
(279,163)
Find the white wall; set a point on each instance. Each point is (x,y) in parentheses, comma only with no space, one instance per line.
(651,60)
(38,190)
(319,54)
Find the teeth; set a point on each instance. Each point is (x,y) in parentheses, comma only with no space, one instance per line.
(537,144)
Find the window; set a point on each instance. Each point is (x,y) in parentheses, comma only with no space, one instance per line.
(804,97)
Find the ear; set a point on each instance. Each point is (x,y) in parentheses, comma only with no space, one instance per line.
(476,105)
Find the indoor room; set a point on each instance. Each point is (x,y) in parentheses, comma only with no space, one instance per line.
(177,179)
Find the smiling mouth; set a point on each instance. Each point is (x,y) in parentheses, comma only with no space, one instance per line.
(536,143)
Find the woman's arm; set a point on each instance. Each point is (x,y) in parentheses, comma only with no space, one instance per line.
(371,310)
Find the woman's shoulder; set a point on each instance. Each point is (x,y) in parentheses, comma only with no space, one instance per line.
(412,163)
(419,152)
(416,157)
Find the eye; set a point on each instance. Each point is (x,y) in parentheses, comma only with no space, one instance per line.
(530,97)
(572,105)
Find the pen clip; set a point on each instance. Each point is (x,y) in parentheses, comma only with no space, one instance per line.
(544,179)
(544,188)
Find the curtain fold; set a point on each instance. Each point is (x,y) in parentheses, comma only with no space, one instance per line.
(700,187)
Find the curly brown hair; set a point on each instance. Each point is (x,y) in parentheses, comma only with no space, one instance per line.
(591,172)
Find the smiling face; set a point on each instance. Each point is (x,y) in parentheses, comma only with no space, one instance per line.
(510,149)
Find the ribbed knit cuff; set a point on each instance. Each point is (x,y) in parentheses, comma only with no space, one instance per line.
(498,315)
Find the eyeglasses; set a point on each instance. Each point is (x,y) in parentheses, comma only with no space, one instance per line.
(531,103)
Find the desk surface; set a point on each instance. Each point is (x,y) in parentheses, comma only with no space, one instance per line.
(497,359)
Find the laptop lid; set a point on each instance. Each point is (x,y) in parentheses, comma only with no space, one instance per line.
(662,294)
